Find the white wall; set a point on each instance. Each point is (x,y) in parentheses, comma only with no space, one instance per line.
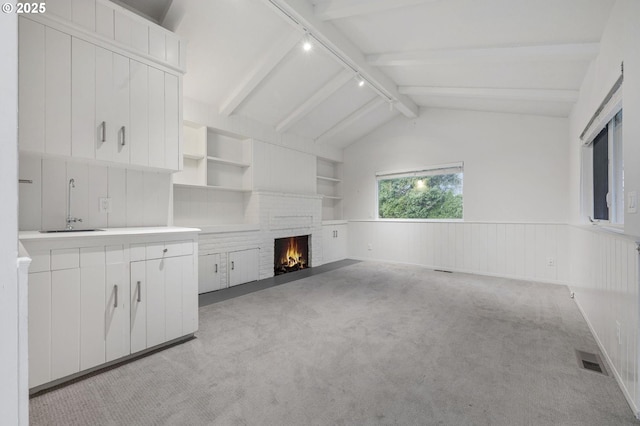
(280,169)
(619,43)
(515,166)
(604,265)
(512,250)
(137,198)
(9,384)
(604,275)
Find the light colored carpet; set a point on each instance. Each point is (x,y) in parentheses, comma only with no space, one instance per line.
(366,344)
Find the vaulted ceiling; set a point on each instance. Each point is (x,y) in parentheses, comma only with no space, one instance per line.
(246,57)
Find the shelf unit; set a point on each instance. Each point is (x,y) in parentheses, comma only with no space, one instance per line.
(216,183)
(194,171)
(215,160)
(329,185)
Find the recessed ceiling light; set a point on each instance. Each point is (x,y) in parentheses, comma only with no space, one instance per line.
(306,46)
(361,82)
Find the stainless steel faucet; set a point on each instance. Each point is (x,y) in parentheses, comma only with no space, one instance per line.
(71,219)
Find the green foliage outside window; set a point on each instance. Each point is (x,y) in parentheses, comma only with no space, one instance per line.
(421,197)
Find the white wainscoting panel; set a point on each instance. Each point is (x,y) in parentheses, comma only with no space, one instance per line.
(517,250)
(604,277)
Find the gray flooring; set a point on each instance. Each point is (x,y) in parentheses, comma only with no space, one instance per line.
(364,344)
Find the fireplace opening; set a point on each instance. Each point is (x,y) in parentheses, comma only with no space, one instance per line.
(291,254)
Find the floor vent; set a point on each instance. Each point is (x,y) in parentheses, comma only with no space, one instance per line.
(442,270)
(591,362)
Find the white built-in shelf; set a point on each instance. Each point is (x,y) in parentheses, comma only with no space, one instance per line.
(331,197)
(219,160)
(329,179)
(193,156)
(212,187)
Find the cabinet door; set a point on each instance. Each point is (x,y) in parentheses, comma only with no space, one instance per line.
(173,270)
(156,118)
(189,294)
(139,134)
(92,307)
(121,105)
(83,99)
(138,299)
(105,127)
(234,270)
(39,328)
(209,273)
(155,302)
(117,312)
(57,92)
(328,244)
(340,246)
(243,266)
(65,322)
(112,106)
(31,86)
(172,123)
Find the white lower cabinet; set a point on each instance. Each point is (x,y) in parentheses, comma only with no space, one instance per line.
(92,307)
(163,296)
(243,266)
(334,242)
(96,304)
(210,273)
(117,312)
(39,328)
(65,322)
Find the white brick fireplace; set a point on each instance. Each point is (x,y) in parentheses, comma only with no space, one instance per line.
(281,215)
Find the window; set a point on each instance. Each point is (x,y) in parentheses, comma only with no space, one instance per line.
(429,193)
(607,170)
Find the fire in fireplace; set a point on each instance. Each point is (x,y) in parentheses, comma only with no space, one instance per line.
(291,254)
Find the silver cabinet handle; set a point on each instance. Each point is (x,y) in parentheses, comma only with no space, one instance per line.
(123,135)
(233,265)
(115,298)
(103,129)
(139,292)
(216,271)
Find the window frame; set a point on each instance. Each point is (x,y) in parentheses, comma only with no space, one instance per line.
(414,172)
(612,120)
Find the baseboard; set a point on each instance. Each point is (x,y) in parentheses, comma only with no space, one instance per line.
(612,367)
(464,271)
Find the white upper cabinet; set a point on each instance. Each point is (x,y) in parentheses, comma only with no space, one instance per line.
(84,92)
(112,106)
(139,134)
(83,99)
(31,85)
(172,123)
(57,92)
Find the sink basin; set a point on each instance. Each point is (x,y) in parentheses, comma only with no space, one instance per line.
(71,230)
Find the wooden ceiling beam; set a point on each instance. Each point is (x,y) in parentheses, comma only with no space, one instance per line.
(336,9)
(300,13)
(310,104)
(555,52)
(350,119)
(265,66)
(543,95)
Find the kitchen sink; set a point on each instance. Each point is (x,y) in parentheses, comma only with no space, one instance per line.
(71,230)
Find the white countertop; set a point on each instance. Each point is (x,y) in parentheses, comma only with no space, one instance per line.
(216,229)
(106,232)
(334,222)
